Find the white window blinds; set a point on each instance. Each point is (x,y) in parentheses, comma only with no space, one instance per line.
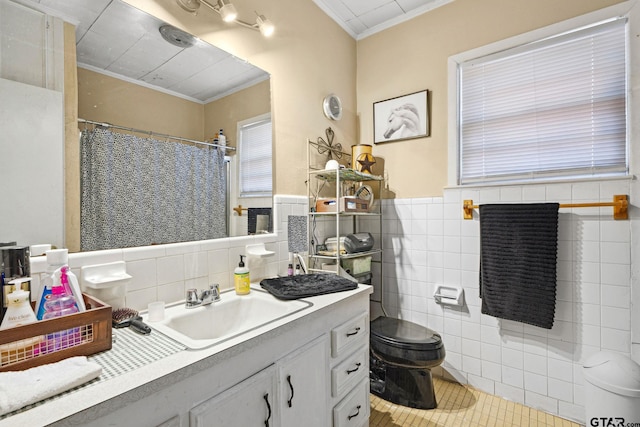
(255,159)
(554,108)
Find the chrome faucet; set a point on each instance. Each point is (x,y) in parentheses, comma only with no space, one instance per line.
(206,297)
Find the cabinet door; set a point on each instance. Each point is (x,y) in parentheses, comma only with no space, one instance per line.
(249,403)
(303,377)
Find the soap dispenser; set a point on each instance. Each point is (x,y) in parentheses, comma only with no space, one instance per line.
(241,278)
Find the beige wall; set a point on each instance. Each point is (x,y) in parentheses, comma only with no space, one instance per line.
(311,56)
(226,112)
(413,56)
(308,57)
(106,99)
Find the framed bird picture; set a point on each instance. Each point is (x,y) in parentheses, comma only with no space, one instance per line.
(402,117)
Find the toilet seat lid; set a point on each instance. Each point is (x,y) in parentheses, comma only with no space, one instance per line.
(404,334)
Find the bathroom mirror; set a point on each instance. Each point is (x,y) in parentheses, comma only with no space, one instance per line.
(120,81)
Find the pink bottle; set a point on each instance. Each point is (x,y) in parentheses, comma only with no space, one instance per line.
(61,303)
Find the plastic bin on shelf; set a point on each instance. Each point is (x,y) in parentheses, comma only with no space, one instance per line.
(612,388)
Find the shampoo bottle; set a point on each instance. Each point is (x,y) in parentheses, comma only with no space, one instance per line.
(241,278)
(222,139)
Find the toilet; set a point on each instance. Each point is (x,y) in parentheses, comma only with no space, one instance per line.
(402,354)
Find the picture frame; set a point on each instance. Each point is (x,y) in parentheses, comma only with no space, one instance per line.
(400,118)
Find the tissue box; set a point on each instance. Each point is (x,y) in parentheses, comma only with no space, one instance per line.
(357,266)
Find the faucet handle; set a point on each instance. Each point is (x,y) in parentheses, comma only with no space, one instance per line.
(215,291)
(192,297)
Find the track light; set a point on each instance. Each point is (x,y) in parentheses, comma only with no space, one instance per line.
(228,13)
(265,26)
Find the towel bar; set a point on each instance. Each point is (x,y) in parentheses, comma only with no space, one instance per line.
(620,206)
(239,210)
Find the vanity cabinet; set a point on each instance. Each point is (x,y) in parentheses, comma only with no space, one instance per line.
(350,372)
(250,403)
(301,398)
(311,371)
(303,386)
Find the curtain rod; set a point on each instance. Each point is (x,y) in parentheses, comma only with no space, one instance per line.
(150,133)
(620,206)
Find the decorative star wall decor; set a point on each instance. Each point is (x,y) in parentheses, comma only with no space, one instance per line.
(366,162)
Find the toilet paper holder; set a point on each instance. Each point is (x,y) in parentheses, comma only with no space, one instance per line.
(449,295)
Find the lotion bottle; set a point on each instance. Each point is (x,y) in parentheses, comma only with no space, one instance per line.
(241,279)
(19,310)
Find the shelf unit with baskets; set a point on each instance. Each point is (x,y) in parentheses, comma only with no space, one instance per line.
(341,202)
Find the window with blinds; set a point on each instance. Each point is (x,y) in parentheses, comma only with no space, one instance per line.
(553,108)
(255,158)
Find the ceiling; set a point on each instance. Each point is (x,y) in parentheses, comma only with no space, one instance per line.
(361,18)
(116,39)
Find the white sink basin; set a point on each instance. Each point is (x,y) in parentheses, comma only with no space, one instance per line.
(233,315)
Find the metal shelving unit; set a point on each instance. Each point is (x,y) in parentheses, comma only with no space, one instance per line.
(335,184)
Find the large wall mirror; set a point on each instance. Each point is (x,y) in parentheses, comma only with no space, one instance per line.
(123,67)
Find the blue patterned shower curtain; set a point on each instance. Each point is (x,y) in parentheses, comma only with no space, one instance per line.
(141,191)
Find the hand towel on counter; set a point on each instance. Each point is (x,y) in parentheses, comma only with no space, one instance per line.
(307,285)
(21,388)
(518,253)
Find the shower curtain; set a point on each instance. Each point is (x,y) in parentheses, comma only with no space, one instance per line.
(141,191)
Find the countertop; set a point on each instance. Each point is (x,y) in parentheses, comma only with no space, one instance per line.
(101,398)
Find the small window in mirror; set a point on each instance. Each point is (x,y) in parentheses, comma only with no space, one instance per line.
(254,151)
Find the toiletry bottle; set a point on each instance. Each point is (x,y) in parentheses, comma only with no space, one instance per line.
(222,139)
(290,270)
(241,278)
(56,258)
(19,310)
(61,302)
(297,270)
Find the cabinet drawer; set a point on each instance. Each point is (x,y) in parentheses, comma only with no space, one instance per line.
(349,335)
(353,410)
(349,372)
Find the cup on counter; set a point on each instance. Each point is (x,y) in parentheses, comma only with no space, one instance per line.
(156,311)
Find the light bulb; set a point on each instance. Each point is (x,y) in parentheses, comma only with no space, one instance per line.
(266,27)
(228,12)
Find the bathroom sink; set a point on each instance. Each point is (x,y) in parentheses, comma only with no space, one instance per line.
(228,318)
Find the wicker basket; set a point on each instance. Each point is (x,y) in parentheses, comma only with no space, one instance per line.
(48,341)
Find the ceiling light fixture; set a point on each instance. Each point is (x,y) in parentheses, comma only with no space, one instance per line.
(265,26)
(228,13)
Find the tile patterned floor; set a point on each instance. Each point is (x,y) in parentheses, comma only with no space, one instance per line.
(462,406)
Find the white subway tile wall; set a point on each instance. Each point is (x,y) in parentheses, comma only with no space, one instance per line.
(165,272)
(428,243)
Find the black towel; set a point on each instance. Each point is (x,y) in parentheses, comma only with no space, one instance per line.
(307,285)
(518,253)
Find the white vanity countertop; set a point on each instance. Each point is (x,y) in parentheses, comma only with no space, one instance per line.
(101,398)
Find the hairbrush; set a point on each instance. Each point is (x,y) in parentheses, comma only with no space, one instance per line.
(128,317)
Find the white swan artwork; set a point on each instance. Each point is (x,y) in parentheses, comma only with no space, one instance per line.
(403,122)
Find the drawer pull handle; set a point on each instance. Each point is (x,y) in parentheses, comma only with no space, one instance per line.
(356,414)
(291,387)
(354,333)
(266,399)
(351,371)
